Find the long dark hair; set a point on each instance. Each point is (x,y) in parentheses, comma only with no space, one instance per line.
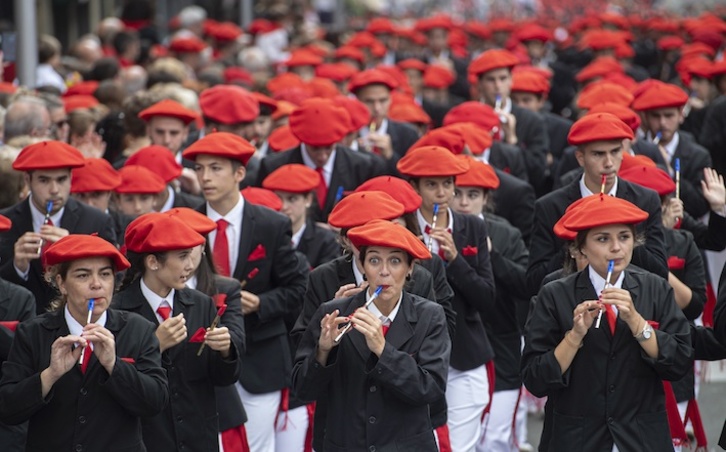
(206,272)
(138,268)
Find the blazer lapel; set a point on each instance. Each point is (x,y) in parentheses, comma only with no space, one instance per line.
(357,339)
(402,328)
(245,241)
(584,290)
(23,222)
(341,169)
(133,300)
(70,215)
(622,332)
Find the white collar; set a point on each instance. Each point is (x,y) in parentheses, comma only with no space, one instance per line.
(598,282)
(192,282)
(359,278)
(154,299)
(584,191)
(232,217)
(385,320)
(38,217)
(422,223)
(76,328)
(298,235)
(169,200)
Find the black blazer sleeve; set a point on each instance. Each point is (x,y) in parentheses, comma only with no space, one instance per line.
(707,237)
(719,314)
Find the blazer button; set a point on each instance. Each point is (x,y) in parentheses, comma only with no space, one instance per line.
(372,448)
(84,391)
(82,419)
(372,419)
(611,420)
(612,357)
(373,389)
(612,388)
(78,448)
(179,419)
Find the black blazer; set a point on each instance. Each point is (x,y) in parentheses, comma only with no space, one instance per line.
(378,403)
(514,201)
(557,130)
(93,411)
(190,418)
(694,158)
(350,169)
(120,223)
(182,199)
(510,159)
(713,133)
(619,382)
(471,277)
(403,136)
(78,218)
(16,303)
(546,249)
(318,244)
(280,284)
(532,138)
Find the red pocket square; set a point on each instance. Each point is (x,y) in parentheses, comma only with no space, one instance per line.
(199,335)
(653,324)
(257,254)
(220,299)
(676,263)
(470,251)
(128,360)
(12,325)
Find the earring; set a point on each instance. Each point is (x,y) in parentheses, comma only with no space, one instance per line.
(365,278)
(155,268)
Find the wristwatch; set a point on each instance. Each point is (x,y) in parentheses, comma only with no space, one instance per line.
(645,334)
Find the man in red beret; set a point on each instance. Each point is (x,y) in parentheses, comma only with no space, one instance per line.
(390,139)
(252,244)
(599,140)
(47,215)
(320,125)
(167,124)
(521,127)
(661,106)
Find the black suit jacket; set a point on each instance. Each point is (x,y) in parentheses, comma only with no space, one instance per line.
(318,244)
(546,250)
(403,136)
(514,201)
(120,223)
(95,410)
(350,169)
(533,140)
(694,158)
(409,375)
(280,283)
(190,417)
(509,159)
(713,133)
(557,130)
(78,218)
(182,199)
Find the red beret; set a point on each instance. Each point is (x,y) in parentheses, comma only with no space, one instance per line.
(444,137)
(492,59)
(361,39)
(501,25)
(201,223)
(694,66)
(235,74)
(319,122)
(478,139)
(158,232)
(229,104)
(390,235)
(530,82)
(600,67)
(630,161)
(224,32)
(472,111)
(5,223)
(671,42)
(302,57)
(284,109)
(431,161)
(262,197)
(86,87)
(438,21)
(292,178)
(190,44)
(48,155)
(96,175)
(357,111)
(625,114)
(8,88)
(286,80)
(650,177)
(349,52)
(603,91)
(598,127)
(533,32)
(169,108)
(82,246)
(322,87)
(137,179)
(412,63)
(359,208)
(264,100)
(698,49)
(158,159)
(258,26)
(282,139)
(380,25)
(337,72)
(601,39)
(718,68)
(664,95)
(622,79)
(396,188)
(79,101)
(409,112)
(438,77)
(371,77)
(480,175)
(598,210)
(221,144)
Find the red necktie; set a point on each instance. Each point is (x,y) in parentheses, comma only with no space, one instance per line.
(164,311)
(322,190)
(612,318)
(385,329)
(220,250)
(86,358)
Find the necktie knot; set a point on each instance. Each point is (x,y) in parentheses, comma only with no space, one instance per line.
(164,310)
(222,225)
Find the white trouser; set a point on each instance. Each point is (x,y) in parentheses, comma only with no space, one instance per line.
(261,412)
(497,435)
(291,430)
(467,395)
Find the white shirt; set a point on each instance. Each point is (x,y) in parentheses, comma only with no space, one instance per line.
(192,282)
(234,229)
(155,300)
(385,320)
(422,223)
(484,156)
(357,273)
(598,282)
(297,236)
(76,328)
(584,191)
(169,200)
(327,168)
(45,75)
(38,219)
